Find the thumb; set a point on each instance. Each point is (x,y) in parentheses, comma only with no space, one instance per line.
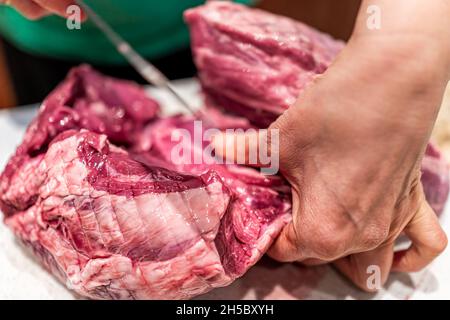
(286,247)
(251,147)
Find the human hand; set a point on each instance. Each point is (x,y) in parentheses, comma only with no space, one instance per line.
(351,148)
(36,9)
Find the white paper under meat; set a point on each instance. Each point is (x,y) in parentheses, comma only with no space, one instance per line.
(21,277)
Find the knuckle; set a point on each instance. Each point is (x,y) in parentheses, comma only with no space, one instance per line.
(329,246)
(33,15)
(374,237)
(439,243)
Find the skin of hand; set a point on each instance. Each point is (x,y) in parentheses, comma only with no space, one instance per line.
(37,9)
(351,148)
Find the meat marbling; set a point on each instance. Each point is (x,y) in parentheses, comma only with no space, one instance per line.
(256,64)
(121,221)
(92,190)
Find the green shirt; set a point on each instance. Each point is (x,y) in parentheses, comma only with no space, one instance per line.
(153,27)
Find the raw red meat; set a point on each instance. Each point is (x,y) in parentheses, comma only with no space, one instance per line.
(435,178)
(117,108)
(94,193)
(121,221)
(255,63)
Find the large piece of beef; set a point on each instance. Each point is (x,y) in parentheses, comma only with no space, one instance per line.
(256,64)
(92,191)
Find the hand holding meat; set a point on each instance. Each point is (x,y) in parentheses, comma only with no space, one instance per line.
(94,191)
(351,148)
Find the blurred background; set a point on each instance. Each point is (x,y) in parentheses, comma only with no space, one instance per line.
(28,74)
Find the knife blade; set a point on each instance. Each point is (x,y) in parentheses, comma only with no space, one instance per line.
(147,70)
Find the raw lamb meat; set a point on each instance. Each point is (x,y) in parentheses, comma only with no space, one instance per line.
(256,64)
(120,221)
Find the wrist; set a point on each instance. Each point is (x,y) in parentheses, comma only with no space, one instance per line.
(388,87)
(408,27)
(410,57)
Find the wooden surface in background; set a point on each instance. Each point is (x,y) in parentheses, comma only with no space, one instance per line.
(335,17)
(7,98)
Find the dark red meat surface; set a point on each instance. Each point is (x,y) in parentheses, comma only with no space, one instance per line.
(93,192)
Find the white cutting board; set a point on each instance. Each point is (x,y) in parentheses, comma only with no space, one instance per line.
(21,277)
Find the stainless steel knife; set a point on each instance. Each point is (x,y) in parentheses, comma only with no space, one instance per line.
(147,70)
